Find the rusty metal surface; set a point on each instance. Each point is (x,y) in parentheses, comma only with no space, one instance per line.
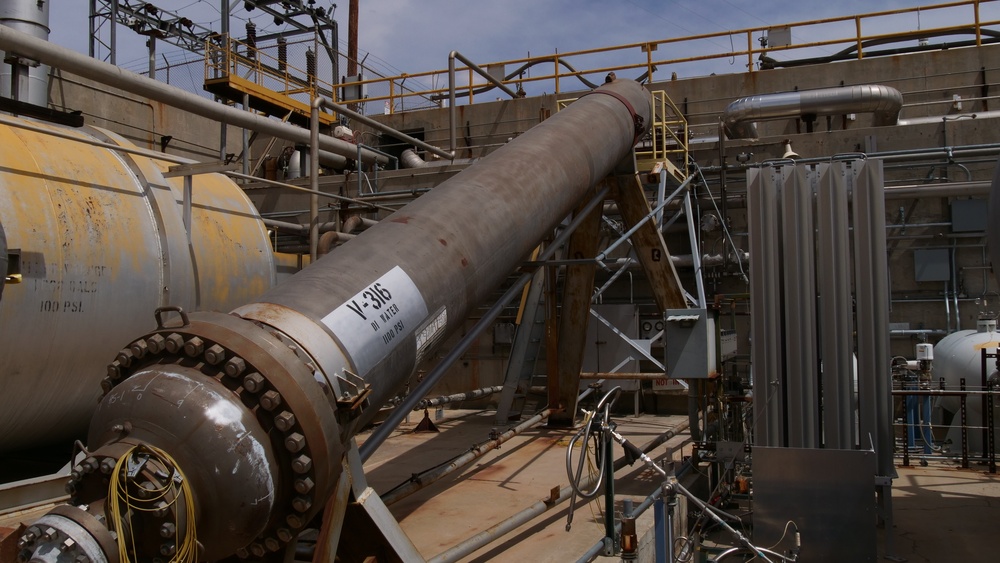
(102,245)
(519,194)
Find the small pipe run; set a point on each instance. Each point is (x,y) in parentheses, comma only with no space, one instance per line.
(458,397)
(16,42)
(424,479)
(883,101)
(451,92)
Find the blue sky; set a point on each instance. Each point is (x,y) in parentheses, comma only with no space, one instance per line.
(417,35)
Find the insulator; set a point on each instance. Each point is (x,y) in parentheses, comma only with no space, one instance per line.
(310,63)
(251,40)
(282,54)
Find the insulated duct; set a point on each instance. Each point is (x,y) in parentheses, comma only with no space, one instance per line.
(30,17)
(883,101)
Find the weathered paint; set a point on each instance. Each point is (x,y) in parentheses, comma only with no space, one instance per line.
(102,245)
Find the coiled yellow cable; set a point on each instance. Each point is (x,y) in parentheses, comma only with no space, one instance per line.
(119,498)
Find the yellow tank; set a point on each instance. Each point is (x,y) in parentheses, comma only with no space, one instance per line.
(99,239)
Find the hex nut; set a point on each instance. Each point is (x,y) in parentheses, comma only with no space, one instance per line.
(242,553)
(125,357)
(302,464)
(257,549)
(108,465)
(115,370)
(272,544)
(270,400)
(285,535)
(253,382)
(174,343)
(294,521)
(155,344)
(168,549)
(215,354)
(302,504)
(139,348)
(67,545)
(50,534)
(107,385)
(303,485)
(168,530)
(294,442)
(284,420)
(194,346)
(235,366)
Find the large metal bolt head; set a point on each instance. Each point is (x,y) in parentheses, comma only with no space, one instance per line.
(67,545)
(285,535)
(107,465)
(139,348)
(284,420)
(107,385)
(115,370)
(303,485)
(50,534)
(302,464)
(215,354)
(294,521)
(125,357)
(270,400)
(242,553)
(235,367)
(194,346)
(272,544)
(167,530)
(156,343)
(295,442)
(168,549)
(257,550)
(253,382)
(174,343)
(161,509)
(302,504)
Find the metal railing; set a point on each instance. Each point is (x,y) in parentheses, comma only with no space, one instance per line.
(755,46)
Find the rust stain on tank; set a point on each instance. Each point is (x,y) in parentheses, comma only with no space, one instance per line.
(404,220)
(465,262)
(443,242)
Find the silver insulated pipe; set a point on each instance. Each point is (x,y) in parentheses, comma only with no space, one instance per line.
(883,101)
(24,80)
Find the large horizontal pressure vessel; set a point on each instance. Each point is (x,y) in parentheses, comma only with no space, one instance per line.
(102,244)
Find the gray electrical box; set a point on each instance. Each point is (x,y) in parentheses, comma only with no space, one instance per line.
(690,344)
(932,264)
(968,215)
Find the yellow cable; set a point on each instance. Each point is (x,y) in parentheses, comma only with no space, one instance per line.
(118,494)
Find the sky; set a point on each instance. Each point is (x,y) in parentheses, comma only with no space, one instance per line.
(417,35)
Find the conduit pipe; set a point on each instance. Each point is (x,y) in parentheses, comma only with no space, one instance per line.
(458,397)
(22,44)
(883,101)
